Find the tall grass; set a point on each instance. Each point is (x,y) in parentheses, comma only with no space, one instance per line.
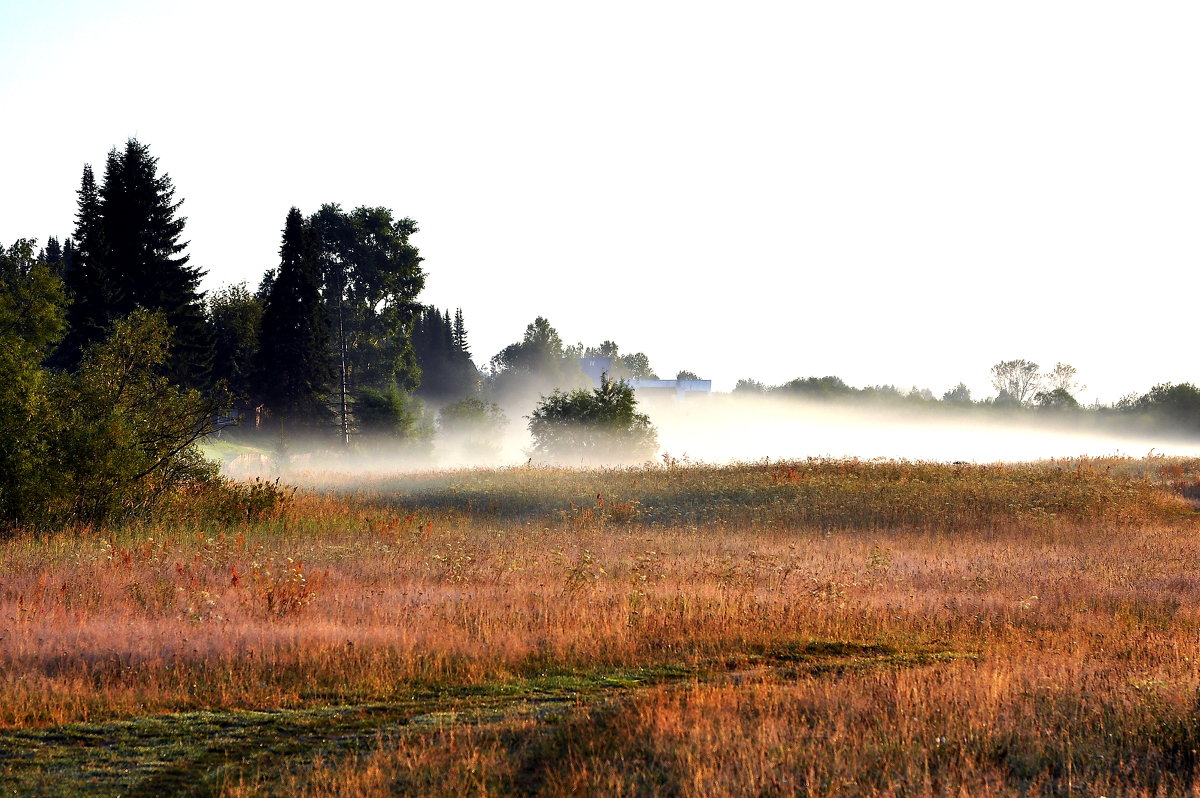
(1035,626)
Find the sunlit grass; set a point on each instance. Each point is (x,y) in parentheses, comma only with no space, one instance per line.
(838,626)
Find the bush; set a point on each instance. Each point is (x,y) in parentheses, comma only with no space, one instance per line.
(391,417)
(597,426)
(474,426)
(122,435)
(106,442)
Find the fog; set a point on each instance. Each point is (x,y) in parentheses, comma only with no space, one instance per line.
(722,429)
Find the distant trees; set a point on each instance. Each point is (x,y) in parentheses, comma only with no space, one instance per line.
(959,394)
(1175,405)
(1018,382)
(440,345)
(473,426)
(537,364)
(634,366)
(750,387)
(539,351)
(1015,380)
(601,425)
(817,387)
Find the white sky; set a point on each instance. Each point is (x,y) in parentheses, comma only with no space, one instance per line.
(893,192)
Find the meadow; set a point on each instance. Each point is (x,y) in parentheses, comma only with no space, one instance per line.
(816,627)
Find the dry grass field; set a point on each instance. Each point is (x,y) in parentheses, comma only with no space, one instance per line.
(808,628)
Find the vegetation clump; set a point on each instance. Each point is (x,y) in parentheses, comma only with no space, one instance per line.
(597,426)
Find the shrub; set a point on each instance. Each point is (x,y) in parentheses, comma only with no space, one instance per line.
(474,425)
(596,426)
(108,441)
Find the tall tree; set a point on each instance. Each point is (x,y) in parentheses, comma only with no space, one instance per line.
(294,371)
(460,333)
(1015,380)
(371,277)
(144,257)
(92,294)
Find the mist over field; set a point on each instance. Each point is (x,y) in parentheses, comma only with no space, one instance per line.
(728,429)
(721,429)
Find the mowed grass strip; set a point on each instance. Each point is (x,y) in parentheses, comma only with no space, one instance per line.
(272,752)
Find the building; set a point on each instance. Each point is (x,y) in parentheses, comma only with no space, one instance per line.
(595,367)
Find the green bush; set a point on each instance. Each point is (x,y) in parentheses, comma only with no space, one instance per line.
(105,442)
(122,435)
(475,426)
(598,426)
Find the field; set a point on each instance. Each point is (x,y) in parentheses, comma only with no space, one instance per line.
(810,628)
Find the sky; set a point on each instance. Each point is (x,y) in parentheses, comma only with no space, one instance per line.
(894,193)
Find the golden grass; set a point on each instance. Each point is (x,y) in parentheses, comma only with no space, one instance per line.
(1064,597)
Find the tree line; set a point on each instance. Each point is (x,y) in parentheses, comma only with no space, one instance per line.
(332,341)
(114,364)
(1022,387)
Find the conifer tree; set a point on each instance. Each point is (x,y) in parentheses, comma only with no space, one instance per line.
(293,368)
(446,369)
(143,257)
(91,294)
(460,334)
(52,255)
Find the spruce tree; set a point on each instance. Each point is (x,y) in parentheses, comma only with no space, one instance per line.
(143,257)
(294,369)
(92,295)
(446,369)
(52,255)
(460,334)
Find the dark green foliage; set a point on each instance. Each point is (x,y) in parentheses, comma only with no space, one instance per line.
(439,344)
(1056,399)
(52,255)
(540,351)
(371,275)
(686,375)
(31,324)
(144,257)
(1168,404)
(460,334)
(98,444)
(535,365)
(129,255)
(385,413)
(123,435)
(294,374)
(635,366)
(234,319)
(92,292)
(596,426)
